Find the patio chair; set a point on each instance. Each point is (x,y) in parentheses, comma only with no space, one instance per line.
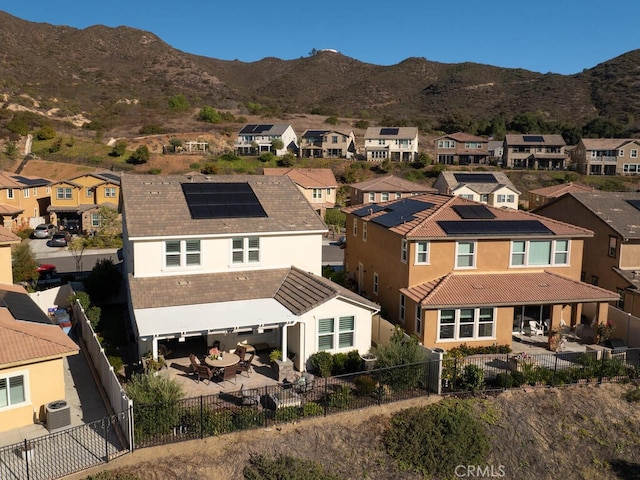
(227,373)
(245,365)
(204,373)
(241,351)
(249,396)
(305,383)
(195,361)
(535,328)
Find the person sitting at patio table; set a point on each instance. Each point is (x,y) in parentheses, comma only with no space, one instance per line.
(214,351)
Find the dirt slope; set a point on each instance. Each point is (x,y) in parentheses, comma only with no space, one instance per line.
(580,432)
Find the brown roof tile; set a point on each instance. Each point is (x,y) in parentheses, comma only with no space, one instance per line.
(24,342)
(7,237)
(391,183)
(306,177)
(557,190)
(156,206)
(505,289)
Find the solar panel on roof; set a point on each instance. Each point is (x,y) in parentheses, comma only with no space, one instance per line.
(222,200)
(255,128)
(22,307)
(473,211)
(30,181)
(494,227)
(389,131)
(400,212)
(634,203)
(368,210)
(475,178)
(533,138)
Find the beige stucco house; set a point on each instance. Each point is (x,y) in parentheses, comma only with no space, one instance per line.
(607,156)
(461,149)
(535,151)
(492,188)
(383,189)
(398,144)
(23,200)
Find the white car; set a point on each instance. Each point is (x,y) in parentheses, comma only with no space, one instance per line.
(44,230)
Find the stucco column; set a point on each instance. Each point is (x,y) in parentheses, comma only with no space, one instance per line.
(576,315)
(284,342)
(154,348)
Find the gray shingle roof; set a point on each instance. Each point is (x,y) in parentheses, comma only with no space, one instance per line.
(614,209)
(156,206)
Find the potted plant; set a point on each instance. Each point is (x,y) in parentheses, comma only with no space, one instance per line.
(276,354)
(369,360)
(26,450)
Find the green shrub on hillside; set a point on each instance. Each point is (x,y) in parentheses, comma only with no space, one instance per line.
(283,467)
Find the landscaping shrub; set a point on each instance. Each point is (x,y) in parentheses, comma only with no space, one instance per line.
(287,414)
(116,362)
(339,361)
(433,440)
(283,467)
(365,385)
(312,409)
(341,398)
(113,476)
(472,378)
(217,422)
(322,363)
(248,418)
(465,350)
(405,353)
(633,395)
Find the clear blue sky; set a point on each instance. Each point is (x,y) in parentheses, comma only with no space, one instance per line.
(560,36)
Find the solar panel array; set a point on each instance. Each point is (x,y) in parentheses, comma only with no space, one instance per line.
(473,211)
(389,131)
(30,181)
(256,129)
(533,138)
(475,178)
(368,210)
(222,200)
(634,203)
(494,227)
(400,212)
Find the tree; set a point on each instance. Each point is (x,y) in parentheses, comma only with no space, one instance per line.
(179,103)
(209,115)
(77,248)
(277,144)
(110,224)
(11,150)
(24,265)
(46,133)
(103,282)
(141,155)
(119,148)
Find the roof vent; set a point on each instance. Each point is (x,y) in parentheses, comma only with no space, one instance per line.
(183,282)
(242,278)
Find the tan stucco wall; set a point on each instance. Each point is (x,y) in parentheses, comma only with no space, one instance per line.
(6,275)
(44,384)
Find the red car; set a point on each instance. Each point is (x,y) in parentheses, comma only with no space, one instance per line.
(47,271)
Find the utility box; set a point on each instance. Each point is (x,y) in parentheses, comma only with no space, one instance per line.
(58,415)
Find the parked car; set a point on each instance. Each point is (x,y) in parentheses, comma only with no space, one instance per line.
(60,239)
(342,242)
(47,271)
(72,226)
(44,230)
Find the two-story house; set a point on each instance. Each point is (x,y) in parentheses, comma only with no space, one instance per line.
(254,139)
(453,271)
(399,144)
(23,200)
(79,199)
(383,189)
(540,196)
(612,256)
(607,156)
(493,188)
(231,258)
(327,144)
(496,149)
(461,149)
(32,353)
(318,185)
(534,151)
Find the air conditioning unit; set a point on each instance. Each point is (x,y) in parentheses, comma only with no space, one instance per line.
(58,415)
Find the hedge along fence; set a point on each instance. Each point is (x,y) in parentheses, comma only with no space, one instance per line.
(204,416)
(486,372)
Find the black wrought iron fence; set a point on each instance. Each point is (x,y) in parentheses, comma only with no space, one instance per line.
(499,371)
(221,413)
(62,453)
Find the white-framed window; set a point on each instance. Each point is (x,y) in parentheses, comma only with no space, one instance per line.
(364,231)
(328,192)
(418,319)
(355,227)
(10,194)
(384,197)
(401,308)
(466,323)
(613,246)
(484,197)
(182,253)
(621,153)
(422,253)
(245,250)
(64,193)
(25,193)
(88,192)
(95,220)
(110,192)
(446,144)
(502,198)
(35,191)
(537,253)
(381,141)
(375,283)
(630,168)
(317,193)
(403,250)
(336,333)
(468,196)
(634,153)
(372,196)
(398,195)
(47,191)
(466,254)
(13,390)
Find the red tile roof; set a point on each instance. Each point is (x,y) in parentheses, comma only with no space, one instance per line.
(307,177)
(25,342)
(497,289)
(557,190)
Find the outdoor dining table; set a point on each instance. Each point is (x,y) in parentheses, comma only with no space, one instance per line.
(226,360)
